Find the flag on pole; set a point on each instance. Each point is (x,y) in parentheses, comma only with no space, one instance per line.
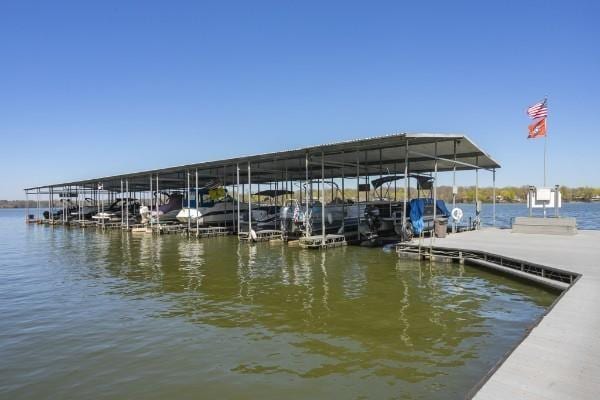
(537,128)
(538,110)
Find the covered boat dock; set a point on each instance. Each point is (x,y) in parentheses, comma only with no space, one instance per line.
(302,172)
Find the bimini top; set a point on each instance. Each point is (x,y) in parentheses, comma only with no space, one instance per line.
(381,155)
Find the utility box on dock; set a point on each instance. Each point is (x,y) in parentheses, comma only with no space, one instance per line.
(440,227)
(545,226)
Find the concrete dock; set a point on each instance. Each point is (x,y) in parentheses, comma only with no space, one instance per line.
(560,358)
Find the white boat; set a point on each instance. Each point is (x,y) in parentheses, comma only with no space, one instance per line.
(167,212)
(222,212)
(265,215)
(113,212)
(215,208)
(85,210)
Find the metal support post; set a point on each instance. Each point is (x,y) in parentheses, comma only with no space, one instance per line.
(306,194)
(197,202)
(323,232)
(358,193)
(237,167)
(189,204)
(494,197)
(121,194)
(249,199)
(454,188)
(406,179)
(127,205)
(151,204)
(157,201)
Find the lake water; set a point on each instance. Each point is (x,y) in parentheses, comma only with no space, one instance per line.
(587,214)
(111,315)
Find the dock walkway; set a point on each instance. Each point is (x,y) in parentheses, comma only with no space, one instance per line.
(560,358)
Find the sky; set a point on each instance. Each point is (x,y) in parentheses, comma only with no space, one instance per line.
(91,89)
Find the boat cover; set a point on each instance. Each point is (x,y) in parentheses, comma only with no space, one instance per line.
(417,209)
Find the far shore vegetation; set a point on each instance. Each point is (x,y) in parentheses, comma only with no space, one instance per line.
(466,194)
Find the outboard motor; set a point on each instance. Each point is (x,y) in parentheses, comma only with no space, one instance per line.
(372,214)
(145,214)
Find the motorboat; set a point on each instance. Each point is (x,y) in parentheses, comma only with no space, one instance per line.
(114,211)
(265,215)
(215,208)
(299,219)
(67,207)
(167,212)
(85,210)
(384,217)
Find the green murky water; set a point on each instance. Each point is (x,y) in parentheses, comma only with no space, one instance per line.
(109,315)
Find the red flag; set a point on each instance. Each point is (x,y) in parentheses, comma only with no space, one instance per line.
(537,129)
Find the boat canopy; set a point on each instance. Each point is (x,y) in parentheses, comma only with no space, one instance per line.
(273,193)
(375,156)
(424,181)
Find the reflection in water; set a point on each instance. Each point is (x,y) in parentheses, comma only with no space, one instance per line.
(227,319)
(355,309)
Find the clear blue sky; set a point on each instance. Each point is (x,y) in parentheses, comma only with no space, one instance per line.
(89,90)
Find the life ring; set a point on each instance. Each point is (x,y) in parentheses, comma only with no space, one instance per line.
(457,214)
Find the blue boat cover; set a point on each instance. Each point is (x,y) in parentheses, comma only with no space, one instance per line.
(417,209)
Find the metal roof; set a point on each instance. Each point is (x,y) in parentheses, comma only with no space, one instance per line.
(374,156)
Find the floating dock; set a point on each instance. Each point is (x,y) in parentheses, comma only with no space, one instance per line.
(560,357)
(264,235)
(320,242)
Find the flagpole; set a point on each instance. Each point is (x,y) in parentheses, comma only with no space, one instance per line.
(545,149)
(545,145)
(545,140)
